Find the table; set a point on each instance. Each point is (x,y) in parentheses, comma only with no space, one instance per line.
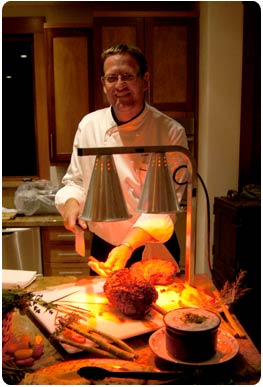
(244,368)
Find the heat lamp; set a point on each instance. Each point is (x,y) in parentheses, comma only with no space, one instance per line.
(105,200)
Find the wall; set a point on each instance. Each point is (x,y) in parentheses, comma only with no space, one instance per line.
(221,25)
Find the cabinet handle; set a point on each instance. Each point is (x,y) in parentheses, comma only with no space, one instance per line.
(67,254)
(71,236)
(70,272)
(51,146)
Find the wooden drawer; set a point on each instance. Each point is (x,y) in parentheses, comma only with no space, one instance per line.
(58,252)
(66,269)
(65,254)
(60,234)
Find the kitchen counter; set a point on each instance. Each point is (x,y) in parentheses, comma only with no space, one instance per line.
(34,221)
(244,368)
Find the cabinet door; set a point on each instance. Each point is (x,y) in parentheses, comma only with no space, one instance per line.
(68,55)
(237,247)
(171,50)
(107,32)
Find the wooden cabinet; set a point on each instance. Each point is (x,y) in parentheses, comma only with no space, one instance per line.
(237,246)
(69,86)
(74,72)
(59,255)
(171,49)
(170,45)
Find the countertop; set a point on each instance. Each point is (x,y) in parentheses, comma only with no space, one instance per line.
(34,221)
(244,368)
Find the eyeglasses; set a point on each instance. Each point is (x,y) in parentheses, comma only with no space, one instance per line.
(126,77)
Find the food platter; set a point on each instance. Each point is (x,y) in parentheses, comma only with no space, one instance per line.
(100,315)
(227,348)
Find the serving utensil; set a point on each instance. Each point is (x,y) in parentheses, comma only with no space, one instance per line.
(99,373)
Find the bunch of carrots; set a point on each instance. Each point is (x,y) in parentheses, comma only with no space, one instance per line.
(24,351)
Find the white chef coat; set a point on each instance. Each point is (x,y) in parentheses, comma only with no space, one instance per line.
(98,129)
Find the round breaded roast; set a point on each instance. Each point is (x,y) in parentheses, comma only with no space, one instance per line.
(130,295)
(155,270)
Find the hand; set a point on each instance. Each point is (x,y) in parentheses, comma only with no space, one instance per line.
(98,267)
(118,257)
(71,212)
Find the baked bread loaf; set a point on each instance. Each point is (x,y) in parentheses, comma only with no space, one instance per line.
(155,270)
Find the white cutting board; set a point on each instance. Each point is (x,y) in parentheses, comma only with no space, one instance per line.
(102,316)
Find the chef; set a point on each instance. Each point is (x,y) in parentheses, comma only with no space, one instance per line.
(128,121)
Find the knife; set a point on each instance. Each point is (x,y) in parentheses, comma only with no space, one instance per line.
(79,240)
(99,373)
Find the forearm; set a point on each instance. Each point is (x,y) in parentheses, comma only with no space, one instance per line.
(160,227)
(137,237)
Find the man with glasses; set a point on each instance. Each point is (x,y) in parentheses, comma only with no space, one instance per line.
(128,121)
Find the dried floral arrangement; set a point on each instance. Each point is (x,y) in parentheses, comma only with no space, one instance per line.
(22,300)
(18,299)
(232,292)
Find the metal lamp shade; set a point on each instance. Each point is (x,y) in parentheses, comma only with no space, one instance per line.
(158,195)
(105,201)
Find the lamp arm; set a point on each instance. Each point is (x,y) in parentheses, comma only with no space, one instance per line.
(191,191)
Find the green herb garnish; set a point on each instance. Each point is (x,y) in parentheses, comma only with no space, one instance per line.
(194,318)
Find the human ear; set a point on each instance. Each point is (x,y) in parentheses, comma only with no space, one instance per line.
(146,79)
(103,85)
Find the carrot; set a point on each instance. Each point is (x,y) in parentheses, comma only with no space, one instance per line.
(38,347)
(38,340)
(28,362)
(24,338)
(21,354)
(12,347)
(38,350)
(73,336)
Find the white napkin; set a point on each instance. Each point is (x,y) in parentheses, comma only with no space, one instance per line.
(8,213)
(17,278)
